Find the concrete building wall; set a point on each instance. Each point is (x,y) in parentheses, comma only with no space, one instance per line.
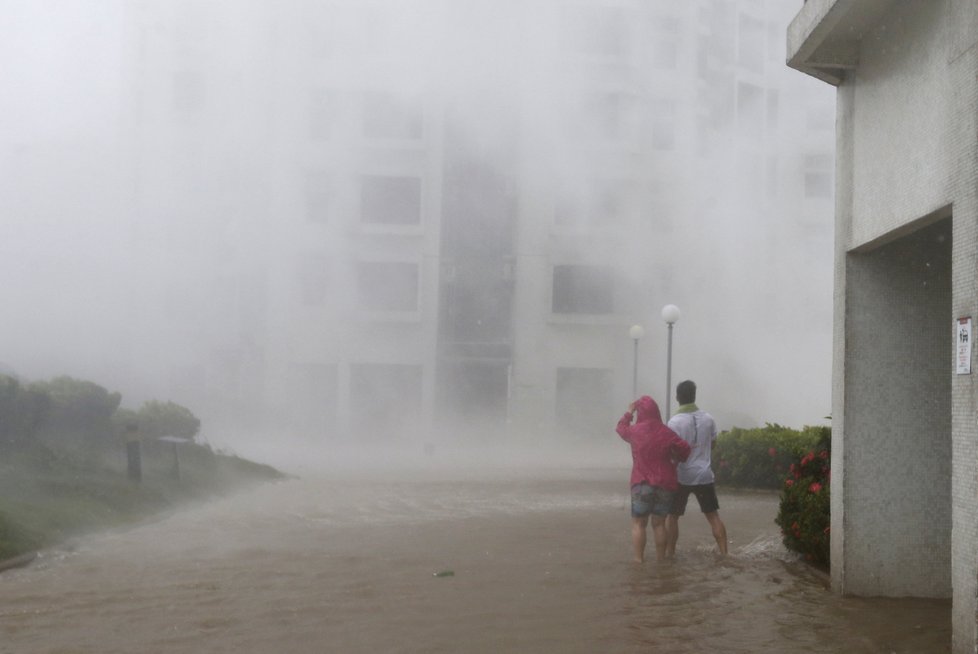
(892,433)
(904,496)
(902,87)
(962,56)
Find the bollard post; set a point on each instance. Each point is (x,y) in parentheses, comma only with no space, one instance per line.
(134,464)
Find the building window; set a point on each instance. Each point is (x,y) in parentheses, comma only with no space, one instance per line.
(570,209)
(473,391)
(703,69)
(377,30)
(751,43)
(776,49)
(667,24)
(584,400)
(665,53)
(314,279)
(319,196)
(773,176)
(607,116)
(312,399)
(388,200)
(602,203)
(322,114)
(750,109)
(751,163)
(385,398)
(322,23)
(664,45)
(773,108)
(705,130)
(598,31)
(583,289)
(818,176)
(663,134)
(386,116)
(188,92)
(718,96)
(387,286)
(663,124)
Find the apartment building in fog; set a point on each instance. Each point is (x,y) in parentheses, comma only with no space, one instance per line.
(395,231)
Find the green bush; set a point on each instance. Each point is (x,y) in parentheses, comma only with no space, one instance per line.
(21,411)
(59,462)
(156,419)
(804,513)
(761,457)
(15,539)
(80,414)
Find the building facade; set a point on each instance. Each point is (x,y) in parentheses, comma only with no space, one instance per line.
(401,225)
(904,510)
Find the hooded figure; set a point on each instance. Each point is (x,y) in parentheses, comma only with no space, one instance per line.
(655,450)
(655,447)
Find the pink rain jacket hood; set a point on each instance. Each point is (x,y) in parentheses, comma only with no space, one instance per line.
(647,410)
(655,447)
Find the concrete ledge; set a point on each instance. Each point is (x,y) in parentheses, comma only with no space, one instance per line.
(824,38)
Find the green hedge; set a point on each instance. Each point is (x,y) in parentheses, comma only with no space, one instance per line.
(21,412)
(41,505)
(761,457)
(63,463)
(15,539)
(78,414)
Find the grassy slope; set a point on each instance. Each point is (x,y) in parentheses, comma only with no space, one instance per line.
(45,498)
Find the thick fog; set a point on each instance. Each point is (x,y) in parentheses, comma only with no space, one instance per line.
(362,221)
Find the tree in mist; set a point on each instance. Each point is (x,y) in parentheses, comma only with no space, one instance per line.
(80,413)
(156,419)
(22,411)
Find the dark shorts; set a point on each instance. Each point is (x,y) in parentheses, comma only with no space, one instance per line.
(652,500)
(706,495)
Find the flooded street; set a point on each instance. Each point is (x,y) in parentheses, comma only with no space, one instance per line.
(541,563)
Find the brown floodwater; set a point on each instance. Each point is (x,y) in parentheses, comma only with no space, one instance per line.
(541,563)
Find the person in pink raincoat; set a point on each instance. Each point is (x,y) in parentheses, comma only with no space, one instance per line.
(655,451)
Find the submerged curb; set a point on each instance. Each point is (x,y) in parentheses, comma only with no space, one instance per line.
(17,561)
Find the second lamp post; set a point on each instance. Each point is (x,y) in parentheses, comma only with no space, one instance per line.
(636,332)
(670,313)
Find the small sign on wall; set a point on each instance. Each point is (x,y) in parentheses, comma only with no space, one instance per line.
(963,329)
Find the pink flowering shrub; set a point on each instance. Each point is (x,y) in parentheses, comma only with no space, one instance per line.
(804,512)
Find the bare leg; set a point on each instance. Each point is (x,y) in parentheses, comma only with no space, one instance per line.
(661,535)
(638,537)
(672,535)
(719,530)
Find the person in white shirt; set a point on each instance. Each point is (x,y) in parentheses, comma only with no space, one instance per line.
(696,427)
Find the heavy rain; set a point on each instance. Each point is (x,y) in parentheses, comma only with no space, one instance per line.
(404,263)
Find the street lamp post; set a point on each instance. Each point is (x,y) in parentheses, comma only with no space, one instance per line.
(670,313)
(635,332)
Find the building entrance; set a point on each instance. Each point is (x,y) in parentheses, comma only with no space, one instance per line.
(895,481)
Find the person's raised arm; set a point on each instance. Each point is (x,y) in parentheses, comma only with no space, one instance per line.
(625,422)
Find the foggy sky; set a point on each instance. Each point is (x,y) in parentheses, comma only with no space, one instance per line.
(84,277)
